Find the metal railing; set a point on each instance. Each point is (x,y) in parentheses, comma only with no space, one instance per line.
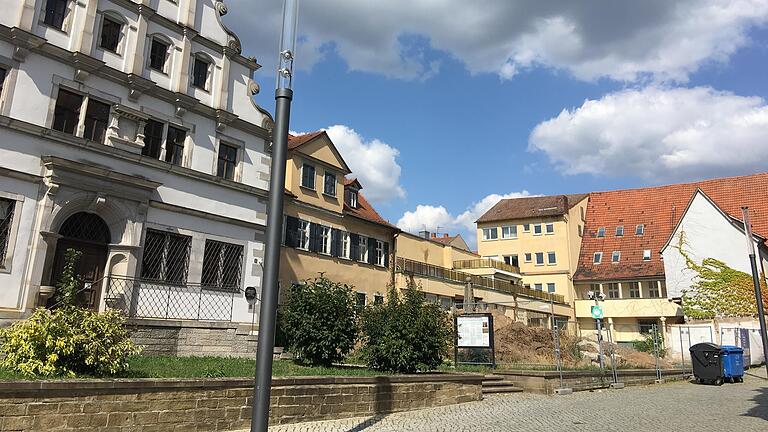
(485,263)
(428,270)
(144,298)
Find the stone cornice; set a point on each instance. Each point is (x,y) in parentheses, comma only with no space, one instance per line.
(137,85)
(39,131)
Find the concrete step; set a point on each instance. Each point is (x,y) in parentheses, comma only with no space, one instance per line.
(501,388)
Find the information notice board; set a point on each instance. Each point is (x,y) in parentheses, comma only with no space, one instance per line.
(474,339)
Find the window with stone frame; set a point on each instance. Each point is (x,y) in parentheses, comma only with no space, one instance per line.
(111,31)
(158,54)
(66,114)
(96,120)
(360,300)
(153,138)
(200,69)
(174,145)
(7,208)
(166,257)
(222,266)
(55,13)
(3,73)
(226,161)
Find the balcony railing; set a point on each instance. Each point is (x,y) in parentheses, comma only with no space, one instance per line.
(485,263)
(428,270)
(141,298)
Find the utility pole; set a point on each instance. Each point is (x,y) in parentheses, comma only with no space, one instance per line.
(269,294)
(756,282)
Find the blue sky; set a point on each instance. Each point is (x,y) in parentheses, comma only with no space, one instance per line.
(470,110)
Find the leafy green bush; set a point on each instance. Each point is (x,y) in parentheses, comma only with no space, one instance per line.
(646,344)
(67,341)
(406,333)
(319,321)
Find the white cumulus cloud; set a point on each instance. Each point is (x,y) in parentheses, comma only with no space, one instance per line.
(434,218)
(659,134)
(373,163)
(625,40)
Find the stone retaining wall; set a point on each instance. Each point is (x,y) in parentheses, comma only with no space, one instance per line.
(192,338)
(546,382)
(217,404)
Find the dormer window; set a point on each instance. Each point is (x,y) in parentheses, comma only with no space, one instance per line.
(329,184)
(352,198)
(308,176)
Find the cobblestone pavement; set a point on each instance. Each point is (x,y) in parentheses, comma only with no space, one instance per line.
(679,406)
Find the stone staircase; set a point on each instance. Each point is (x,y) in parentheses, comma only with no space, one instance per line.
(497,384)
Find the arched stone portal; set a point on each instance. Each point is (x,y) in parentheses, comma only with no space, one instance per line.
(89,234)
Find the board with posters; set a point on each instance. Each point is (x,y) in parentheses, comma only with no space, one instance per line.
(474,339)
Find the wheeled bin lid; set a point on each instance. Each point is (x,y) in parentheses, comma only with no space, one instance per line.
(705,347)
(732,349)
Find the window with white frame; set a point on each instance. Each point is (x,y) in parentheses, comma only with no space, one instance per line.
(550,287)
(55,13)
(526,227)
(303,237)
(509,232)
(158,54)
(360,300)
(634,290)
(537,229)
(201,69)
(597,257)
(350,197)
(528,257)
(538,287)
(647,255)
(616,256)
(222,265)
(653,289)
(308,176)
(511,260)
(613,291)
(165,257)
(490,233)
(640,229)
(329,183)
(345,245)
(551,258)
(601,232)
(539,258)
(111,33)
(379,252)
(325,240)
(362,247)
(620,231)
(7,208)
(549,228)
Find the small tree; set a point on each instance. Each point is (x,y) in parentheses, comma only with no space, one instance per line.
(319,321)
(405,334)
(70,280)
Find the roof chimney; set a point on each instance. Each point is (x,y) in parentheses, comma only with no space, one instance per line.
(424,234)
(434,235)
(445,235)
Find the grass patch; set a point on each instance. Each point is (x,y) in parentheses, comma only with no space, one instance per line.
(214,367)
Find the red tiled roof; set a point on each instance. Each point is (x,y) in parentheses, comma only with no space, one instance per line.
(444,239)
(298,140)
(659,209)
(366,211)
(531,207)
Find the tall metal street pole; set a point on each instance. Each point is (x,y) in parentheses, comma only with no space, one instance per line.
(269,294)
(756,282)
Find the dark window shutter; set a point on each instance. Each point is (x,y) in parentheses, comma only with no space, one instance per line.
(371,250)
(386,254)
(314,237)
(335,242)
(354,247)
(291,231)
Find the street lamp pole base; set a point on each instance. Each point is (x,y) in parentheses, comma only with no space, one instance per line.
(617,385)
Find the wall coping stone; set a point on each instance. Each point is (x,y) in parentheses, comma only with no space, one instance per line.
(45,388)
(149,322)
(586,373)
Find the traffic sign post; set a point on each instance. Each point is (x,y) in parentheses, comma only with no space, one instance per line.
(597,312)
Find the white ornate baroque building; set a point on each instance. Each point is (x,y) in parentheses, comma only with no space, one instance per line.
(128,131)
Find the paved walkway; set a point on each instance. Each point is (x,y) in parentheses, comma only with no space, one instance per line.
(679,406)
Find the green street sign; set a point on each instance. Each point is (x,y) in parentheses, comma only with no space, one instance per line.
(597,312)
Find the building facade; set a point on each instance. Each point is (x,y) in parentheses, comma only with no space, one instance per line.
(330,227)
(129,132)
(539,235)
